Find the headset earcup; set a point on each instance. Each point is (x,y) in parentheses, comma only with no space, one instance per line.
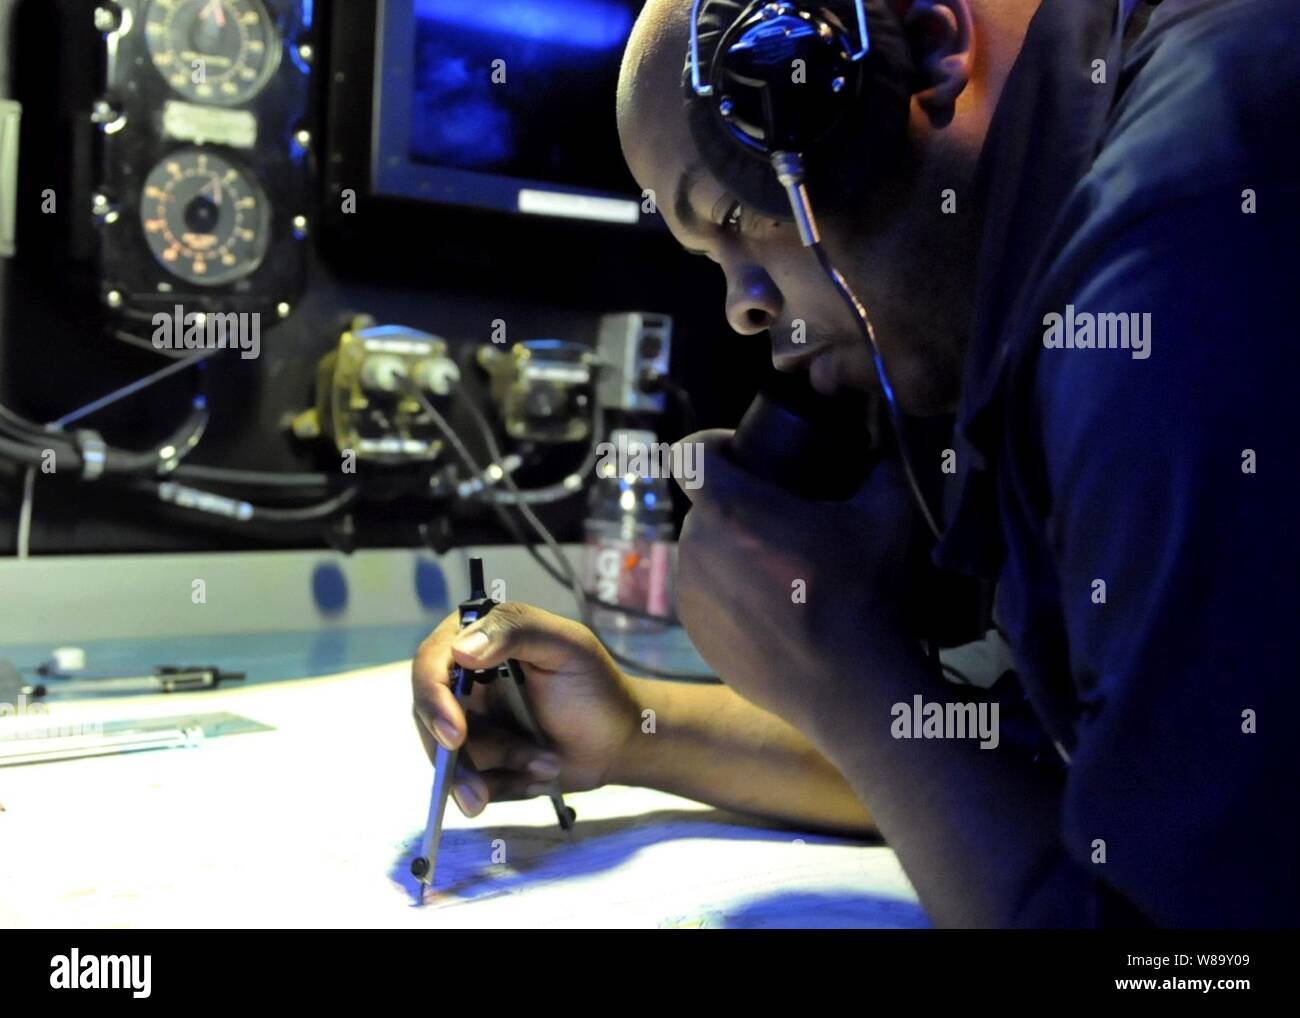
(873,122)
(783,77)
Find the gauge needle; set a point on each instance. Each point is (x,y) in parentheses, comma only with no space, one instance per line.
(215,9)
(215,185)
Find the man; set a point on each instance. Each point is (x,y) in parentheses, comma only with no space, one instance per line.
(1055,168)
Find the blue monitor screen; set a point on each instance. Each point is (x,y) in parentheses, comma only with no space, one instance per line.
(506,104)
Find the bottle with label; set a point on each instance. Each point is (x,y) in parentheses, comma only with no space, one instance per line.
(629,532)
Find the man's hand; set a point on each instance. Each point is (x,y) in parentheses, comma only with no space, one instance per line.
(584,704)
(790,601)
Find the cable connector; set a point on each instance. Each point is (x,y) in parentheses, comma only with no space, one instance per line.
(204,502)
(94,454)
(491,476)
(790,172)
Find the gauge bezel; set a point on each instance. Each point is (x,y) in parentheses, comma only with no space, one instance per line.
(274,48)
(150,211)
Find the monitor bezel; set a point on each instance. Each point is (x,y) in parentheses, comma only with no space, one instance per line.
(394,174)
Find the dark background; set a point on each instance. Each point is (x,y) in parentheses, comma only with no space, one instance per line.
(447,271)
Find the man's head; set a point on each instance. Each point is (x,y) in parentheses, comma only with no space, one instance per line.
(877,184)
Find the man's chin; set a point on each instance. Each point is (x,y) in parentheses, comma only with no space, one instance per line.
(838,369)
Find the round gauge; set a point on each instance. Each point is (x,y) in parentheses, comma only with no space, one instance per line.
(205,220)
(213,51)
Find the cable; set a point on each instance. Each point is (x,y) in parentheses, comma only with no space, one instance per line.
(131,389)
(562,570)
(466,457)
(895,415)
(441,423)
(251,478)
(524,498)
(137,341)
(165,456)
(569,574)
(525,510)
(28,455)
(132,339)
(83,450)
(549,568)
(789,169)
(25,514)
(20,425)
(307,514)
(240,511)
(27,443)
(514,495)
(566,574)
(33,440)
(558,492)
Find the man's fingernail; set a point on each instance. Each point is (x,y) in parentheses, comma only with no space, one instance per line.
(473,643)
(468,801)
(547,768)
(444,733)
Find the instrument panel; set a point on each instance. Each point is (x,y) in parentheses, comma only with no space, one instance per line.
(205,154)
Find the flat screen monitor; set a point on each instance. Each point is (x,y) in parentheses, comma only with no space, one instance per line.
(505,105)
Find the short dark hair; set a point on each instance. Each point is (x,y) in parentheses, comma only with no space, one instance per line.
(867,148)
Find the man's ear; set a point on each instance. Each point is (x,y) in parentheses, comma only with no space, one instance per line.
(941,34)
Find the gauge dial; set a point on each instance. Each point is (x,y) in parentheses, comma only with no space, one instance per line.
(213,51)
(205,220)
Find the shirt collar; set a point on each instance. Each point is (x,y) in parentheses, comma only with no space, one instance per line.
(1042,140)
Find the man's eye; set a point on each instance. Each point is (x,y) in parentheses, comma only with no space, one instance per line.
(732,217)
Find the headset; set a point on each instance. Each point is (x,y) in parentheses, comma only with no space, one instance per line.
(756,99)
(778,116)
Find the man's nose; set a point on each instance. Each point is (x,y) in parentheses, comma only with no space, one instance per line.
(753,301)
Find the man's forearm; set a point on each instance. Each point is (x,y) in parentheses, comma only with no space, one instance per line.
(977,830)
(712,745)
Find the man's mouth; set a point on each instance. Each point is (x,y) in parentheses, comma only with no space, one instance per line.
(820,364)
(824,372)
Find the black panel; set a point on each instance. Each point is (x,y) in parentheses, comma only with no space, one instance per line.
(398,261)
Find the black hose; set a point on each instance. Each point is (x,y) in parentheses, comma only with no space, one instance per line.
(309,513)
(250,478)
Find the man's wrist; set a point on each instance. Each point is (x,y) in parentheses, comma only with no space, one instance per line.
(632,764)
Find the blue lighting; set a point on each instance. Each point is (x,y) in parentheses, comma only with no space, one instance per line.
(589,24)
(308,15)
(296,151)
